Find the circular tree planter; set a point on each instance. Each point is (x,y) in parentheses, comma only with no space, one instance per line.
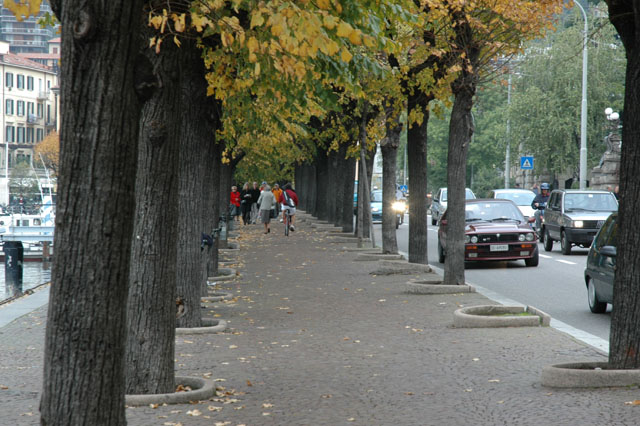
(587,375)
(433,285)
(395,267)
(378,256)
(201,389)
(217,296)
(209,326)
(225,274)
(485,316)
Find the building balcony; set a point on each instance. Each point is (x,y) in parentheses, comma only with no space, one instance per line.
(32,119)
(50,124)
(43,95)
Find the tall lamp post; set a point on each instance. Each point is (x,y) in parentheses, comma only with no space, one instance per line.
(583,112)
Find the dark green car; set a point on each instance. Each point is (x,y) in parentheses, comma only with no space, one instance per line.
(601,264)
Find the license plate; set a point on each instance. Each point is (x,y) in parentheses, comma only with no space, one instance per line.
(499,247)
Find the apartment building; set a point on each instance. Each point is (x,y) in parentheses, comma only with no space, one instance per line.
(25,36)
(29,110)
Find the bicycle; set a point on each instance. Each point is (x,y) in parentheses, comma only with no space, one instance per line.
(287,221)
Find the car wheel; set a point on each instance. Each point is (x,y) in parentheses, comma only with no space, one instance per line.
(440,252)
(565,244)
(533,261)
(595,305)
(548,242)
(434,222)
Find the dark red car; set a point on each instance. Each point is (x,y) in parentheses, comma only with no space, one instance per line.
(495,230)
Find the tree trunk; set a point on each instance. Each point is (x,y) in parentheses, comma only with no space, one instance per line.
(332,183)
(417,163)
(347,187)
(311,189)
(322,179)
(389,149)
(213,209)
(226,177)
(460,131)
(86,330)
(624,341)
(197,135)
(152,279)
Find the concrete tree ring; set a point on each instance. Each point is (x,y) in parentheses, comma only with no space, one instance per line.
(490,316)
(209,326)
(434,286)
(216,296)
(226,274)
(202,389)
(587,375)
(368,257)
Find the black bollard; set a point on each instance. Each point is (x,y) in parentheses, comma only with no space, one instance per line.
(13,259)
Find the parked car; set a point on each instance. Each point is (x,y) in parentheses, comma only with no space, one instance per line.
(573,217)
(522,198)
(495,229)
(601,264)
(439,204)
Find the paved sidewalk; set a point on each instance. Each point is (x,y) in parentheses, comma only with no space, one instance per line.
(315,339)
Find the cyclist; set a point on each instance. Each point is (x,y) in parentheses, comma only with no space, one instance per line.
(289,201)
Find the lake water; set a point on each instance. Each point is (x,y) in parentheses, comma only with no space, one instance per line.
(33,274)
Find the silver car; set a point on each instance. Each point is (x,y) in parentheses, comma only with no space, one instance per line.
(522,198)
(439,205)
(574,217)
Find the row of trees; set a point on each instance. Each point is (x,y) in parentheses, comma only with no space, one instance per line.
(150,137)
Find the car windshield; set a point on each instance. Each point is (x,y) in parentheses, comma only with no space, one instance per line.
(376,197)
(521,198)
(468,194)
(599,202)
(490,211)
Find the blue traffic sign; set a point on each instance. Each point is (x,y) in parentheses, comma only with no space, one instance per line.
(526,163)
(403,188)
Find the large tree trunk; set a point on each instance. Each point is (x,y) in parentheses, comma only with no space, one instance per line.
(197,137)
(624,341)
(212,196)
(389,149)
(347,186)
(322,190)
(417,163)
(152,279)
(332,183)
(86,330)
(460,131)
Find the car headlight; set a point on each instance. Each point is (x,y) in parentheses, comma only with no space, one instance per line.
(529,237)
(375,209)
(521,237)
(466,239)
(474,239)
(578,224)
(399,206)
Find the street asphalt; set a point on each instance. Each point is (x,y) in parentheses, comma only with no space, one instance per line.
(317,338)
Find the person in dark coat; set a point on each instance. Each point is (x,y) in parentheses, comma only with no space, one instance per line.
(245,204)
(255,194)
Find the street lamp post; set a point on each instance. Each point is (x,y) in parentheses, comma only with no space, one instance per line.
(583,112)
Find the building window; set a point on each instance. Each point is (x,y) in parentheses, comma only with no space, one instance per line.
(21,138)
(11,134)
(29,134)
(40,110)
(8,79)
(20,81)
(30,106)
(39,135)
(30,83)
(20,108)
(9,107)
(48,113)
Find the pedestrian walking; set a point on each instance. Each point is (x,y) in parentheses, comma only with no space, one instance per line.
(245,204)
(277,192)
(234,203)
(255,194)
(267,203)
